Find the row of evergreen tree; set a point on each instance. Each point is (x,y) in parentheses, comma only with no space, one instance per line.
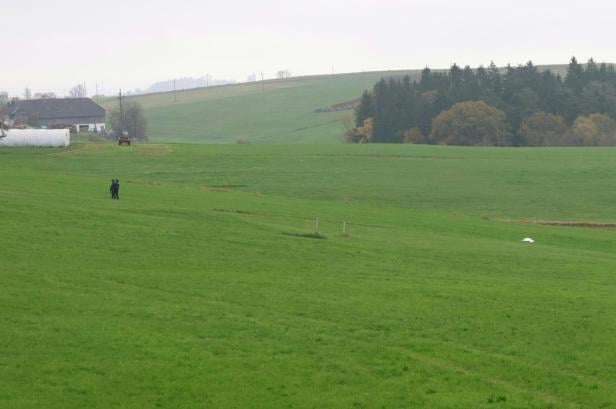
(397,105)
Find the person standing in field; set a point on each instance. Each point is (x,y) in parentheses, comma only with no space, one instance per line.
(117,189)
(112,189)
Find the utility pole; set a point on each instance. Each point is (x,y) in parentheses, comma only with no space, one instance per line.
(262,84)
(175,96)
(97,93)
(121,116)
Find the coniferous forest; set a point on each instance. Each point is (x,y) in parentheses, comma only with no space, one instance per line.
(515,106)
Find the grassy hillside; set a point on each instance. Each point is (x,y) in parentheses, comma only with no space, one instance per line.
(270,112)
(276,111)
(197,289)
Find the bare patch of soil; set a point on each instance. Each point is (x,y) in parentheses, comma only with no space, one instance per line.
(587,225)
(580,224)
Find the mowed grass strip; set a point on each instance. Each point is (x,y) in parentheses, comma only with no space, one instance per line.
(187,295)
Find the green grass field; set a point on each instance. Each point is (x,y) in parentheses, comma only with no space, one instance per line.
(196,289)
(276,111)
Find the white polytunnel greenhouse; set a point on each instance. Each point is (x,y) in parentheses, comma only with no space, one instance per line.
(35,137)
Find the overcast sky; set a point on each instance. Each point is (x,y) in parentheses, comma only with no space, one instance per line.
(51,45)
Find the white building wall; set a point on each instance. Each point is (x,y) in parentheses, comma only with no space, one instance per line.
(92,127)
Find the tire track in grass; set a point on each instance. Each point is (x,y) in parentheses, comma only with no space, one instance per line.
(537,365)
(453,367)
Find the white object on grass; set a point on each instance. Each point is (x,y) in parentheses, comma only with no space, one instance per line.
(528,240)
(36,137)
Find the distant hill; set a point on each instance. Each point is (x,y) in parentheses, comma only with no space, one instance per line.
(273,111)
(184,84)
(294,110)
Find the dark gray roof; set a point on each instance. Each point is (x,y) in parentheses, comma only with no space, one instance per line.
(57,108)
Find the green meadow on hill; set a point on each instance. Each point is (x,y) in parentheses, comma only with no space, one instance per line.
(203,287)
(275,111)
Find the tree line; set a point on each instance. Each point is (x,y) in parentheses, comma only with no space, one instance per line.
(515,106)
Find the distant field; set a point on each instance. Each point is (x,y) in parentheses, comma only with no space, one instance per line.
(277,111)
(196,289)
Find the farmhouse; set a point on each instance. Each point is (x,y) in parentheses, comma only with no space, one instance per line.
(82,113)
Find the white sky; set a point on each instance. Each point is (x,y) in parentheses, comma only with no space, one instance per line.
(52,45)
